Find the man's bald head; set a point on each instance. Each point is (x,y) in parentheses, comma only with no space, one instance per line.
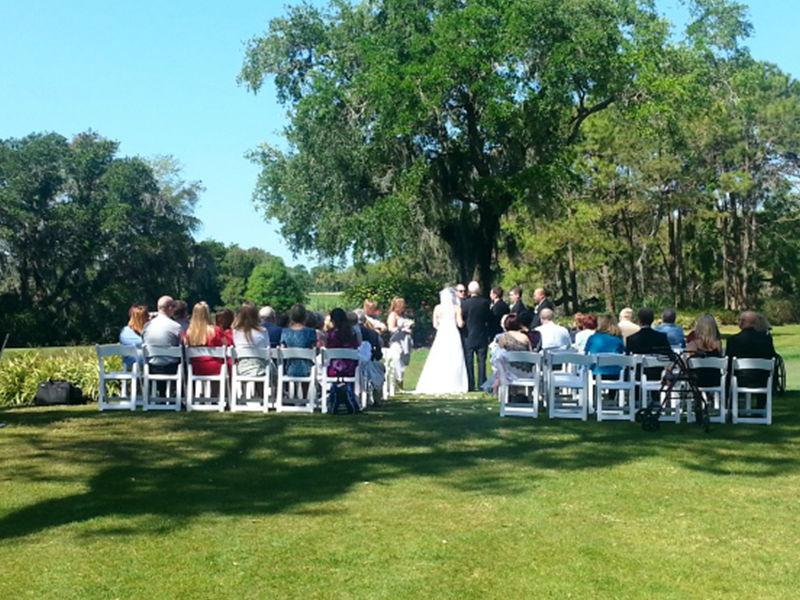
(545,315)
(748,319)
(166,305)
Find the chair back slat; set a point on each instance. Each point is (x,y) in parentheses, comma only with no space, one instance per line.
(329,354)
(301,353)
(205,351)
(533,358)
(249,352)
(650,361)
(617,360)
(753,364)
(162,351)
(708,362)
(569,358)
(105,350)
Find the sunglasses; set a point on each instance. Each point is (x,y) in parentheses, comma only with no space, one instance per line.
(461,291)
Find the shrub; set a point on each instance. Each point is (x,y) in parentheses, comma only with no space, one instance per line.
(780,310)
(21,374)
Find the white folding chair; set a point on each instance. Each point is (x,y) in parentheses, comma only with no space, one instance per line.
(290,388)
(715,395)
(206,392)
(173,398)
(568,371)
(650,386)
(762,416)
(127,381)
(623,406)
(329,354)
(528,381)
(251,392)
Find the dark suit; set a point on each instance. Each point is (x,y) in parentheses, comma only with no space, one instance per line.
(546,303)
(499,310)
(749,343)
(649,341)
(478,327)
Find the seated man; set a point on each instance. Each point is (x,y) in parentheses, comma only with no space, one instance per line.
(648,341)
(554,336)
(673,331)
(268,320)
(750,343)
(161,330)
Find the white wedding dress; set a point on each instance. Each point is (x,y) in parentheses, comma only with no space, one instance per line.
(445,371)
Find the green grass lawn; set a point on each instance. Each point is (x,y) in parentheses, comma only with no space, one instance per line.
(420,498)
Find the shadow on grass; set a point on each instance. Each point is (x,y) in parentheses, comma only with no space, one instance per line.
(180,466)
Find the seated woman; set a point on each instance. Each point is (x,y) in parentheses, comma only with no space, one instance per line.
(248,333)
(202,332)
(606,339)
(341,335)
(297,335)
(526,326)
(706,341)
(224,320)
(513,339)
(131,334)
(585,326)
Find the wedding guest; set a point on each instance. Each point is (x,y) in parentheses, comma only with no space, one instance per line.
(248,333)
(224,320)
(706,341)
(372,313)
(400,342)
(268,320)
(341,335)
(499,309)
(161,330)
(517,305)
(298,335)
(534,337)
(750,343)
(554,336)
(131,334)
(673,331)
(203,333)
(626,324)
(647,340)
(181,315)
(477,316)
(541,297)
(585,326)
(606,339)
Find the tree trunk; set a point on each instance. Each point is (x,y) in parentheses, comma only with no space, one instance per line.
(562,278)
(573,278)
(608,290)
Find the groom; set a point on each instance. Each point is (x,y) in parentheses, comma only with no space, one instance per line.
(477,328)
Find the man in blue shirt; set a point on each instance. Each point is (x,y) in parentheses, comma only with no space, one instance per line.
(674,332)
(267,317)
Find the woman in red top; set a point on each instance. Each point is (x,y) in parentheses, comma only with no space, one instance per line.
(202,332)
(341,336)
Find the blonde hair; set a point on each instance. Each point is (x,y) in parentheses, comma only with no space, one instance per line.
(608,324)
(200,327)
(396,302)
(706,334)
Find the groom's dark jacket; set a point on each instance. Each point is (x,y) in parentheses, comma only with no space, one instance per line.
(477,314)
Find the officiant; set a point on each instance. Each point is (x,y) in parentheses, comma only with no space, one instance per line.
(477,316)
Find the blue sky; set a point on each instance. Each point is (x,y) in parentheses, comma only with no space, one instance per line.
(160,77)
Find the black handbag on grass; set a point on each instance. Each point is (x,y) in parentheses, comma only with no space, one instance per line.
(52,393)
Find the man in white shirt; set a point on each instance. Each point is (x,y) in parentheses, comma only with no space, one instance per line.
(554,336)
(163,331)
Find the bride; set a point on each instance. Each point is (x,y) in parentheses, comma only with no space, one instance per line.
(445,371)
